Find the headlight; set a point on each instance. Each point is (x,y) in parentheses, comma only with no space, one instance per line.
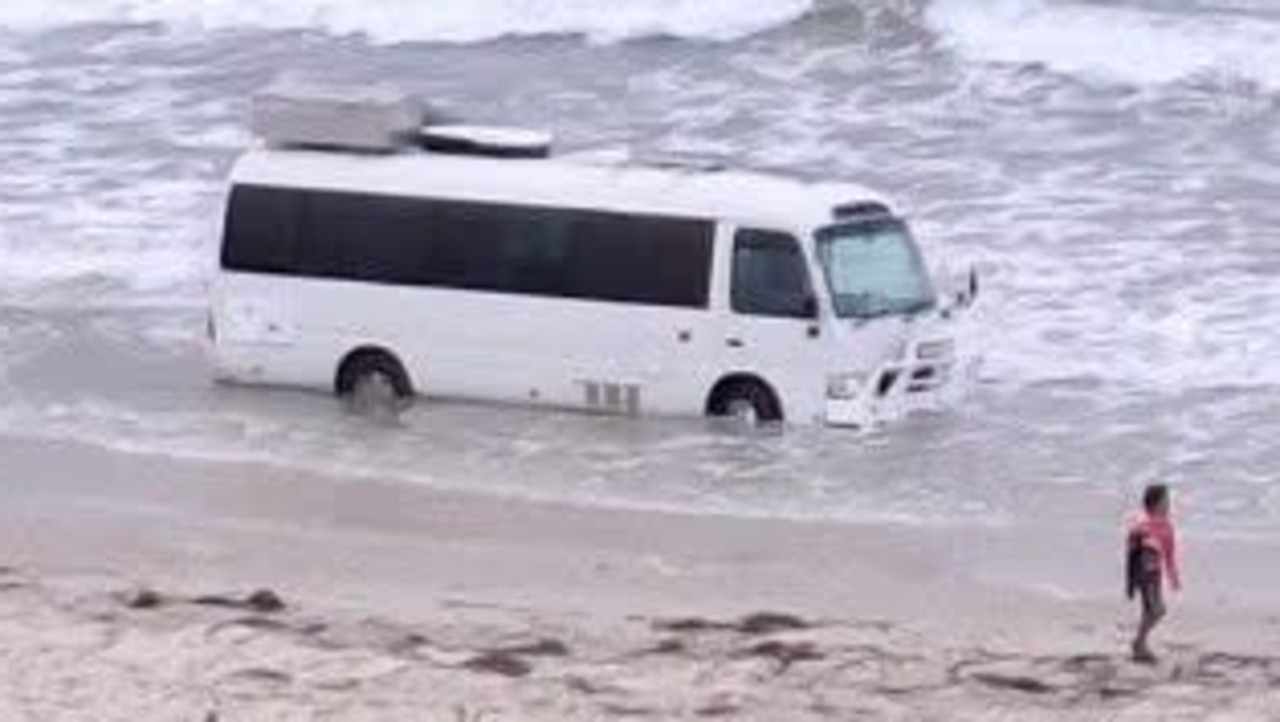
(845,386)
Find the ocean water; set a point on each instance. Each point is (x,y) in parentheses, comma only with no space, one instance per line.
(1111,167)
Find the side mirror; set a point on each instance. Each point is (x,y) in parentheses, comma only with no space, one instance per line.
(957,291)
(809,307)
(969,295)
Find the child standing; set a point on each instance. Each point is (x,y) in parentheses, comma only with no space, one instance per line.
(1152,555)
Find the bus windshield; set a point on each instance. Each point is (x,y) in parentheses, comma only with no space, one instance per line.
(873,269)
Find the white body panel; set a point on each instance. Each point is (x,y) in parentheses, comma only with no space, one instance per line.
(578,354)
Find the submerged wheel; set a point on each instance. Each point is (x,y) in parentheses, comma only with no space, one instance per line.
(746,401)
(372,380)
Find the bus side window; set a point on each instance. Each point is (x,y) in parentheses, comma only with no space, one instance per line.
(261,230)
(770,277)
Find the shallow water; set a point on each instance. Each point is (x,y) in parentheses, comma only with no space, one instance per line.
(1111,167)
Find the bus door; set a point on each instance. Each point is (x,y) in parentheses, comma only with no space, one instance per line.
(772,328)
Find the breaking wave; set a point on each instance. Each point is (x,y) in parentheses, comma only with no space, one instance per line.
(1132,41)
(1136,43)
(392,21)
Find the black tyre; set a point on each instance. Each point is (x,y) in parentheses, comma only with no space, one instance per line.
(374,380)
(750,403)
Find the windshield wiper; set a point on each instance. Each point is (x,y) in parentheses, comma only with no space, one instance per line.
(865,307)
(919,306)
(868,315)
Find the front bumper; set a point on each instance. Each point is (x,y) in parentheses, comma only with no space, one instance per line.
(896,390)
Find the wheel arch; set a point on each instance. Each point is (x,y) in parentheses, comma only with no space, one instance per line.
(738,379)
(343,380)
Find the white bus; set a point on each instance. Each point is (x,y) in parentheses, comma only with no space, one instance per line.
(618,289)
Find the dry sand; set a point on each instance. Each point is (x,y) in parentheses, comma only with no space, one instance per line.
(127,593)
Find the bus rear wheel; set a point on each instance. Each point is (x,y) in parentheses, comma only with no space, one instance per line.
(745,401)
(372,381)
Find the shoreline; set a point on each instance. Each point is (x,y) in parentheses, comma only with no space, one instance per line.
(584,596)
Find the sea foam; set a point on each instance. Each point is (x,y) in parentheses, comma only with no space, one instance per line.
(393,21)
(1116,42)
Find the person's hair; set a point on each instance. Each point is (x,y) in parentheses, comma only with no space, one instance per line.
(1154,496)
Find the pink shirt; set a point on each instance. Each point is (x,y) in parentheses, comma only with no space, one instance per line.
(1157,532)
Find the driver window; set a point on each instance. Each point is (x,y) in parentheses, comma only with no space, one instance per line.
(770,277)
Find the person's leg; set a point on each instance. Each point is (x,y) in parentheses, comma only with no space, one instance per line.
(1141,650)
(1153,611)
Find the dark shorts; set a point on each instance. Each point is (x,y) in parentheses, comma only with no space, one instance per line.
(1150,584)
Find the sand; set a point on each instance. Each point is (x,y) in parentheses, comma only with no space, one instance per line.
(142,588)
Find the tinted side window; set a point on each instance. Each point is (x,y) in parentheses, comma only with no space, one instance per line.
(640,259)
(478,246)
(769,275)
(526,250)
(360,238)
(260,230)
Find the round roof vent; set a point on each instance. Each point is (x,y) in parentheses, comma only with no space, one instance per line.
(488,141)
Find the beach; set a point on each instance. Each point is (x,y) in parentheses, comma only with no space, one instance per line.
(149,588)
(174,549)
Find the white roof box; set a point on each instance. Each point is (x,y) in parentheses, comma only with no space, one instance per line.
(491,141)
(375,118)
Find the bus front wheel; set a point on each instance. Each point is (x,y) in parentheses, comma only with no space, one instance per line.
(746,400)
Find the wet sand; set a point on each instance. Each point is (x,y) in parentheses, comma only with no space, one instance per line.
(143,588)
